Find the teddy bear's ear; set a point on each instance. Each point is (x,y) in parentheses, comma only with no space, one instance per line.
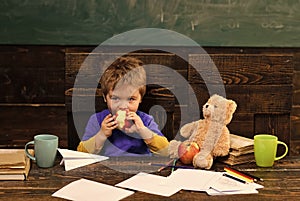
(231,107)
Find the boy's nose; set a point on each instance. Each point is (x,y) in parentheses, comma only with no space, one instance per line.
(123,105)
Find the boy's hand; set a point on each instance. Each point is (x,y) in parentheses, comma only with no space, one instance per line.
(137,123)
(139,127)
(108,124)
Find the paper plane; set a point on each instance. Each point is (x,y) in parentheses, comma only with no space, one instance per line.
(75,159)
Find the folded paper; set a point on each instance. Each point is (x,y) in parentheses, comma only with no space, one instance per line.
(75,159)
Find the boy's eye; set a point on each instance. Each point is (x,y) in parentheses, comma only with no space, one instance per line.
(132,99)
(114,98)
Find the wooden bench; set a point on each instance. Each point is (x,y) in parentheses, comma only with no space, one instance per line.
(261,84)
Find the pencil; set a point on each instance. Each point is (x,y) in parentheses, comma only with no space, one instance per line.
(234,178)
(245,174)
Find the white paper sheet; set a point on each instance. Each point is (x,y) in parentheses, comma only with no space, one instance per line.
(214,183)
(75,159)
(225,184)
(194,180)
(86,190)
(228,186)
(150,183)
(217,192)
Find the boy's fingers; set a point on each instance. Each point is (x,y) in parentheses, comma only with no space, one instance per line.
(115,126)
(107,117)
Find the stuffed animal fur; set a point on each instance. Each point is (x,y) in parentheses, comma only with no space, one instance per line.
(211,133)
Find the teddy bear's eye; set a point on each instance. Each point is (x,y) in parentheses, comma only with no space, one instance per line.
(215,106)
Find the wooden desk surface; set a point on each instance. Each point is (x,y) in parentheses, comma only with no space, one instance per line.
(281,182)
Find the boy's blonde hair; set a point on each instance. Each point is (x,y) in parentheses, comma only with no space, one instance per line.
(124,71)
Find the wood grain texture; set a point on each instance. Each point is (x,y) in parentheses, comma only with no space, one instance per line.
(91,67)
(251,98)
(19,124)
(31,74)
(246,69)
(280,182)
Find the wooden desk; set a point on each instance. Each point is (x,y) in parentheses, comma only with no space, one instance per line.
(282,182)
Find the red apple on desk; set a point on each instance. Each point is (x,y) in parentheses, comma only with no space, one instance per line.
(186,151)
(122,121)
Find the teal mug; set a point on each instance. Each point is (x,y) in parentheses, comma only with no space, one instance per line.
(45,149)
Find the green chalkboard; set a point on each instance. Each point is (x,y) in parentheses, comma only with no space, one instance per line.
(264,23)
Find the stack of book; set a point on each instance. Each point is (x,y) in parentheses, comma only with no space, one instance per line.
(241,151)
(14,164)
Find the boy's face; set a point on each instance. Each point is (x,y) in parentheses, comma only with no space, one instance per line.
(123,98)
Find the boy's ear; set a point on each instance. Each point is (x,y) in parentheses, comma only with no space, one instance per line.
(104,98)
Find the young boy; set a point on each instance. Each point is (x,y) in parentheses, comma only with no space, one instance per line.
(123,86)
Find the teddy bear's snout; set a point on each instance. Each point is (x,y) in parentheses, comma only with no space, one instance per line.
(207,110)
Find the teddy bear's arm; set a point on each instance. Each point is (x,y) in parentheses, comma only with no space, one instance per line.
(173,148)
(185,132)
(189,129)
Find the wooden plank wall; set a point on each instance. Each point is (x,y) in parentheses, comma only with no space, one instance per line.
(295,118)
(32,92)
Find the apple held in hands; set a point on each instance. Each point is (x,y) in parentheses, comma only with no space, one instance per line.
(122,121)
(186,151)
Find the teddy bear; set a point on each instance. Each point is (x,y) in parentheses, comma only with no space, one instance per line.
(211,133)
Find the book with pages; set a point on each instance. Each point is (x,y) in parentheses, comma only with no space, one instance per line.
(14,164)
(241,150)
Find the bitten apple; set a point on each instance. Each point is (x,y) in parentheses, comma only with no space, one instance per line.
(122,121)
(186,151)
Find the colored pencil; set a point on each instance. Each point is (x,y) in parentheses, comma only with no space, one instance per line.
(247,179)
(243,174)
(250,175)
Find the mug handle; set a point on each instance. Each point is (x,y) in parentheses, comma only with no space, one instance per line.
(26,150)
(286,150)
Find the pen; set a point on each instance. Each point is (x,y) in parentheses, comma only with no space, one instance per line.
(234,178)
(165,166)
(172,166)
(244,174)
